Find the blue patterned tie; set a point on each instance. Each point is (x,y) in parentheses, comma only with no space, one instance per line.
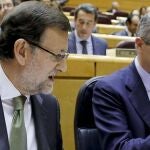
(18,137)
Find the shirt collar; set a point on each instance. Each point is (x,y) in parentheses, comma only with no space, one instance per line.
(145,76)
(7,89)
(78,39)
(129,33)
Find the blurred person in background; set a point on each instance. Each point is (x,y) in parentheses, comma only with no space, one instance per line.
(5,6)
(81,40)
(115,7)
(131,26)
(142,11)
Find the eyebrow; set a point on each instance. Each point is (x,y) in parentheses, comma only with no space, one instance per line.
(86,20)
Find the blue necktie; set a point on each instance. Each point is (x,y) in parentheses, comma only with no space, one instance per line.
(84,47)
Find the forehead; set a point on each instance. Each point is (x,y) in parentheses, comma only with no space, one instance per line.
(135,19)
(83,15)
(5,1)
(54,39)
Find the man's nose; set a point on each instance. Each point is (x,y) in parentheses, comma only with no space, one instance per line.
(5,7)
(62,66)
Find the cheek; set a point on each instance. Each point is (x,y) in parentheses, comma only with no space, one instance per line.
(47,66)
(146,55)
(78,27)
(43,65)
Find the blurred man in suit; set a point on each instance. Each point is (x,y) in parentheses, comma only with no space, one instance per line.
(121,101)
(81,41)
(131,26)
(114,8)
(30,58)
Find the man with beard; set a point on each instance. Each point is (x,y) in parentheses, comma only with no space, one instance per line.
(30,57)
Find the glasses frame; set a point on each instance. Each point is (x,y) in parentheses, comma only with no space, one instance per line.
(59,57)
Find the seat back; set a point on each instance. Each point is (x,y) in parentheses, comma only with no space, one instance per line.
(103,19)
(126,44)
(86,134)
(68,8)
(121,14)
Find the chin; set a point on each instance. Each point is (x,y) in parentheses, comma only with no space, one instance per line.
(47,90)
(83,36)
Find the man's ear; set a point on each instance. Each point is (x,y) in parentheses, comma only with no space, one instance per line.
(139,42)
(20,51)
(94,24)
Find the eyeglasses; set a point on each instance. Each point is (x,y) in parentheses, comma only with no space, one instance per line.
(59,57)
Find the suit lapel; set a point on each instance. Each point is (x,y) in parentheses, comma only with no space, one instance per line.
(125,33)
(74,48)
(40,121)
(94,45)
(4,144)
(138,95)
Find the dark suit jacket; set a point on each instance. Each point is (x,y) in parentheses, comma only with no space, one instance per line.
(46,118)
(121,33)
(122,111)
(99,45)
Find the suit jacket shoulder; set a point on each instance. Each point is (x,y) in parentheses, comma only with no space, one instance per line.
(99,45)
(121,33)
(46,114)
(122,110)
(72,43)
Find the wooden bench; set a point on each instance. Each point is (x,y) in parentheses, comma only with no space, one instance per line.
(108,29)
(103,5)
(113,40)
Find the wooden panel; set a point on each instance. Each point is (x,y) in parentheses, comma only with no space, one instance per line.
(126,5)
(79,66)
(108,29)
(66,91)
(111,64)
(113,40)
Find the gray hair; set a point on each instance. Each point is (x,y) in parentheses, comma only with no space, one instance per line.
(143,30)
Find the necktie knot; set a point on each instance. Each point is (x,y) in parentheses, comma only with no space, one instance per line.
(19,102)
(83,43)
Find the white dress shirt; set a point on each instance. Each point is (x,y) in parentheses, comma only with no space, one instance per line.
(145,76)
(7,93)
(89,45)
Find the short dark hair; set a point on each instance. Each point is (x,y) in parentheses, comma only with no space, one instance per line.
(88,8)
(29,20)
